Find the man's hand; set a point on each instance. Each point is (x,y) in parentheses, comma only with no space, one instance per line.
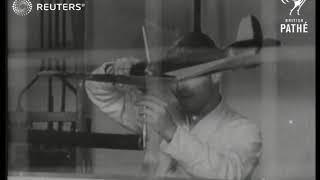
(161,117)
(121,66)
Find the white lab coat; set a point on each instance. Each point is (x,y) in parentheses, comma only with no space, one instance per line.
(223,145)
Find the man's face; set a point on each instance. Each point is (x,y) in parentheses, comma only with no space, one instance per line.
(194,94)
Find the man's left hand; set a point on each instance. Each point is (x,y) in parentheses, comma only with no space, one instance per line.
(156,113)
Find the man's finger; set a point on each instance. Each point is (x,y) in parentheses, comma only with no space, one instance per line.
(108,69)
(116,67)
(150,105)
(147,115)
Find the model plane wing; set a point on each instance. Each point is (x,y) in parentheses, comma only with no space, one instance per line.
(139,81)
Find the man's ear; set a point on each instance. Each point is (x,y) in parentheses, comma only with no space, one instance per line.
(216,77)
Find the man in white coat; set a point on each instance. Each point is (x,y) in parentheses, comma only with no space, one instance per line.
(214,141)
(203,137)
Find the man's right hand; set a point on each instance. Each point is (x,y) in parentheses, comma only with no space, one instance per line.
(122,66)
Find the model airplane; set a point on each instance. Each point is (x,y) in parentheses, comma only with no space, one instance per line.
(192,60)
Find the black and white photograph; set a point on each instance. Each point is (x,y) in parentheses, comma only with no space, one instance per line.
(161,89)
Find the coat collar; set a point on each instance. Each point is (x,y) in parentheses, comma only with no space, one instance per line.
(211,121)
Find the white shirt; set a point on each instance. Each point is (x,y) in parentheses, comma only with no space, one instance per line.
(223,145)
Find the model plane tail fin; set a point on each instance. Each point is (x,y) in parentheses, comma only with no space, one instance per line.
(250,36)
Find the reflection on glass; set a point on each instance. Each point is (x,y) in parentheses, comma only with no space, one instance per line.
(63,123)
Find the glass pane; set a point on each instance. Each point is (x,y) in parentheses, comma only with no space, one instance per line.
(81,73)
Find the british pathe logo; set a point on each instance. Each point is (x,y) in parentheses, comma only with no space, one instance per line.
(297,4)
(295,22)
(22,7)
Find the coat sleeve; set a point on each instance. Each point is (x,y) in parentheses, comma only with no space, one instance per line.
(114,100)
(206,160)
